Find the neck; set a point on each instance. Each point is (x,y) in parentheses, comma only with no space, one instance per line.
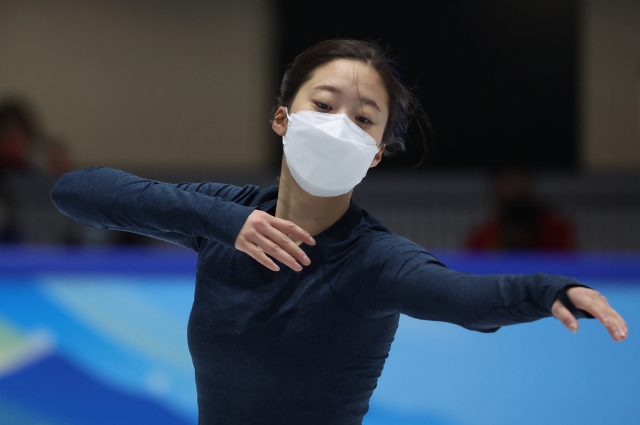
(314,214)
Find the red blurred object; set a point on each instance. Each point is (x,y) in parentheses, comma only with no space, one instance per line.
(521,221)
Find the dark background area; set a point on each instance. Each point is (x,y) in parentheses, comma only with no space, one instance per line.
(497,78)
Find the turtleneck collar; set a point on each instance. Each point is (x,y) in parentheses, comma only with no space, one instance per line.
(334,233)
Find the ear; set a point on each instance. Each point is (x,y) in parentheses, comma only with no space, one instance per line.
(279,123)
(378,157)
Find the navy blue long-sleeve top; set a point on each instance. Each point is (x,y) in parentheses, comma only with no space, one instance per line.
(292,347)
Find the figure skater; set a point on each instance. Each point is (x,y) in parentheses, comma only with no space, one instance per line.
(298,290)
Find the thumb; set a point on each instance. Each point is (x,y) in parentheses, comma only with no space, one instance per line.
(563,314)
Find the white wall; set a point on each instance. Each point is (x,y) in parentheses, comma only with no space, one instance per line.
(141,82)
(610,116)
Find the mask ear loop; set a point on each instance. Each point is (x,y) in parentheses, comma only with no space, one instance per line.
(286,111)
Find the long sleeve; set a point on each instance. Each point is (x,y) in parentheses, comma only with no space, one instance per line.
(413,282)
(184,213)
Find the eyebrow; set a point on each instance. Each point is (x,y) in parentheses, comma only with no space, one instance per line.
(332,89)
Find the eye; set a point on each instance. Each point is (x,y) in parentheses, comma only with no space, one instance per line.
(364,120)
(323,106)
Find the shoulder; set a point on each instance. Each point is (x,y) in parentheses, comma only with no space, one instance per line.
(376,240)
(253,195)
(378,269)
(248,195)
(387,253)
(376,237)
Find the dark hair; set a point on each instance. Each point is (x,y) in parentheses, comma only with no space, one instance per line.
(403,105)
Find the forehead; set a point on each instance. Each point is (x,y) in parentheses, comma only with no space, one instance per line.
(351,76)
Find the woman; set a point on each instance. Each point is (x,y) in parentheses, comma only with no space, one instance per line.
(305,344)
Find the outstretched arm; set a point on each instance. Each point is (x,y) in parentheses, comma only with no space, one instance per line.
(415,283)
(183,213)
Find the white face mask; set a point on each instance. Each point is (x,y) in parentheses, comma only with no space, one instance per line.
(327,154)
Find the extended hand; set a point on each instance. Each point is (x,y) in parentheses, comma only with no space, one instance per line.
(264,234)
(596,304)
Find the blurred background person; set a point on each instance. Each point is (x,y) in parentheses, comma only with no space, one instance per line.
(25,149)
(10,231)
(17,131)
(17,137)
(521,221)
(30,163)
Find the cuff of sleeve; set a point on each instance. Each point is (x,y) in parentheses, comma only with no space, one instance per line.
(234,217)
(566,301)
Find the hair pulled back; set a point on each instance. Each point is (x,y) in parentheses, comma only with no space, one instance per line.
(403,105)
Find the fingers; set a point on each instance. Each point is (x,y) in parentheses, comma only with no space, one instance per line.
(257,246)
(276,251)
(285,242)
(596,304)
(258,254)
(292,230)
(263,235)
(610,318)
(563,314)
